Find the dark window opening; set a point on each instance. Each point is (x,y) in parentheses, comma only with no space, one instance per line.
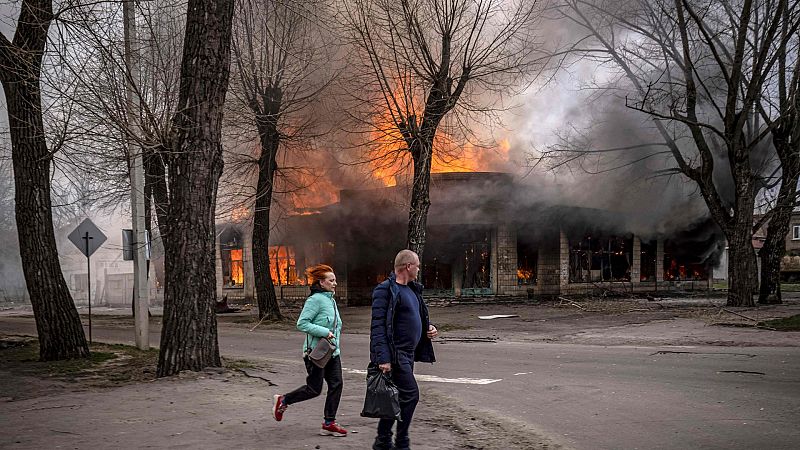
(232,258)
(437,274)
(680,264)
(457,257)
(527,260)
(601,259)
(320,253)
(306,256)
(477,262)
(648,261)
(370,257)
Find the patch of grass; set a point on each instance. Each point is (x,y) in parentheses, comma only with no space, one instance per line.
(785,324)
(107,365)
(790,287)
(78,366)
(128,349)
(720,285)
(234,364)
(19,351)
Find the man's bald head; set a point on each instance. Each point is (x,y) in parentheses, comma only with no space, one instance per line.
(405,257)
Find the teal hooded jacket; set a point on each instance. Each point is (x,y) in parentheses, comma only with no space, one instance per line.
(316,320)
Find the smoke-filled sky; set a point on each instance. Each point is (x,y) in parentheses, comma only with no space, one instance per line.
(614,181)
(532,122)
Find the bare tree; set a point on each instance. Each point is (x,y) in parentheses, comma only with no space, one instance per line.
(779,108)
(428,65)
(57,322)
(280,60)
(102,131)
(699,70)
(105,126)
(189,335)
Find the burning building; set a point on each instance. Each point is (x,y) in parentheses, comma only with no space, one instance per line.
(485,237)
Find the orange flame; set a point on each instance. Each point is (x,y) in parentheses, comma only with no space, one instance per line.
(311,192)
(282,266)
(237,268)
(388,151)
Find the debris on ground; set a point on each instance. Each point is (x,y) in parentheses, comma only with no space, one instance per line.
(498,316)
(221,307)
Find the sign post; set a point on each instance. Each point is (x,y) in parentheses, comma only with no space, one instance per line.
(88,238)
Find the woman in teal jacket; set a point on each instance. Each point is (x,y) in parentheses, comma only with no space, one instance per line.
(319,319)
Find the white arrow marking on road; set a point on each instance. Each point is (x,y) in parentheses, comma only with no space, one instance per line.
(435,379)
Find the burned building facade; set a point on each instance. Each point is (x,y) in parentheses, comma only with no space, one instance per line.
(485,237)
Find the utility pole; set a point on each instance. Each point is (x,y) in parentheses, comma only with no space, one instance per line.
(140,296)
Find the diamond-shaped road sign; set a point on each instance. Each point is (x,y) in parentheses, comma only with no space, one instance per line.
(87,231)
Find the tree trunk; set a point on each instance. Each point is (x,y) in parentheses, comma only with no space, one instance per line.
(420,144)
(779,223)
(421,152)
(58,324)
(775,244)
(265,290)
(742,267)
(189,335)
(771,254)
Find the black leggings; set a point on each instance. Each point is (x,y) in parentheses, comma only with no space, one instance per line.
(332,374)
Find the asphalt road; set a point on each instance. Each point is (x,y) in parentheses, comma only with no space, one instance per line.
(584,396)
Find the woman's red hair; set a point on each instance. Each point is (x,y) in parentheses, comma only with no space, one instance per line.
(317,273)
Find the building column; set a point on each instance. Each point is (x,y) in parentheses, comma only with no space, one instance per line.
(549,265)
(247,265)
(458,274)
(218,267)
(563,257)
(506,260)
(636,260)
(340,259)
(659,260)
(493,257)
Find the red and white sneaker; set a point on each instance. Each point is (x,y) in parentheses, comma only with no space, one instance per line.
(333,430)
(278,407)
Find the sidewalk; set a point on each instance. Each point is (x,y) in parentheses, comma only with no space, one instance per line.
(213,409)
(221,409)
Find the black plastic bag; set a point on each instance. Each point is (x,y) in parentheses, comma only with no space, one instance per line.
(382,400)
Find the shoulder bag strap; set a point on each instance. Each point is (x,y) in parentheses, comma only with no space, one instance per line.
(335,319)
(335,315)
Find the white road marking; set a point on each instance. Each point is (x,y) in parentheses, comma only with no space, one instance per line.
(435,379)
(522,373)
(497,316)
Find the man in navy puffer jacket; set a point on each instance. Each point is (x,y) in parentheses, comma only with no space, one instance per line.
(400,334)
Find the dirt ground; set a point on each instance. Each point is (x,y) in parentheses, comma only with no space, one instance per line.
(116,401)
(595,321)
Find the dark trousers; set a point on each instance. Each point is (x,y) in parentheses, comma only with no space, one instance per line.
(332,374)
(403,377)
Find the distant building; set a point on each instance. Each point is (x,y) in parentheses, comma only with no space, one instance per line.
(790,264)
(111,276)
(485,238)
